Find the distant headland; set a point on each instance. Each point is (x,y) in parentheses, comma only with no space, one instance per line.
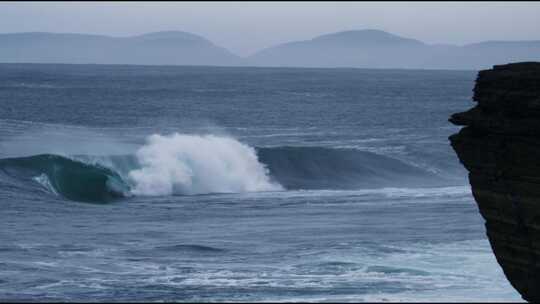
(356,49)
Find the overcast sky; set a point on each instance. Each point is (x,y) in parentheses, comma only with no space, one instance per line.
(245,27)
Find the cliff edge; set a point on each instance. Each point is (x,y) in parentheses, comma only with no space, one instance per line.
(500,147)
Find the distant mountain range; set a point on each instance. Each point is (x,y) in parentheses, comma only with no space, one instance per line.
(163,48)
(359,48)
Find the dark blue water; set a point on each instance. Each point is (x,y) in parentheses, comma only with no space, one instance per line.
(213,184)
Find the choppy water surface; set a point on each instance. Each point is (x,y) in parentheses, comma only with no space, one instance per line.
(213,184)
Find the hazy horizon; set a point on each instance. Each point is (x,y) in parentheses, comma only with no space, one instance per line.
(245,28)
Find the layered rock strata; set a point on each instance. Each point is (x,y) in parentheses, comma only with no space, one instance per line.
(500,147)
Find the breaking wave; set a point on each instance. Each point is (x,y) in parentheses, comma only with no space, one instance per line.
(70,178)
(180,164)
(191,164)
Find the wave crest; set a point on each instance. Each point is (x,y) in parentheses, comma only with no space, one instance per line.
(191,164)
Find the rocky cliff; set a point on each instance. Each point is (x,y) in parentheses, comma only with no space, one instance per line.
(500,147)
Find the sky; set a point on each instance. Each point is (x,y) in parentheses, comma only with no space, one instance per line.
(246,27)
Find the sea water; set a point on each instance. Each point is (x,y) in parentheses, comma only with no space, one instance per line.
(247,184)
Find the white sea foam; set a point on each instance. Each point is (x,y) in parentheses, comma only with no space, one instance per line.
(193,164)
(391,193)
(43,180)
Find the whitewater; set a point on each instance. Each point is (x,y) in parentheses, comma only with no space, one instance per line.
(244,184)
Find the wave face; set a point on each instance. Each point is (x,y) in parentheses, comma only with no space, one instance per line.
(327,168)
(73,179)
(180,164)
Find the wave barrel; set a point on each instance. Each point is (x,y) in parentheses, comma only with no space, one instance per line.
(69,178)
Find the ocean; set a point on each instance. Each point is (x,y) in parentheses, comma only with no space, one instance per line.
(164,183)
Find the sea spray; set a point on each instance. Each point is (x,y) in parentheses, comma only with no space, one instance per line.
(197,164)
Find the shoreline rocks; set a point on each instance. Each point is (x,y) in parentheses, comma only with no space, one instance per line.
(500,147)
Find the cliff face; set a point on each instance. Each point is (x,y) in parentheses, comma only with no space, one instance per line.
(500,147)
